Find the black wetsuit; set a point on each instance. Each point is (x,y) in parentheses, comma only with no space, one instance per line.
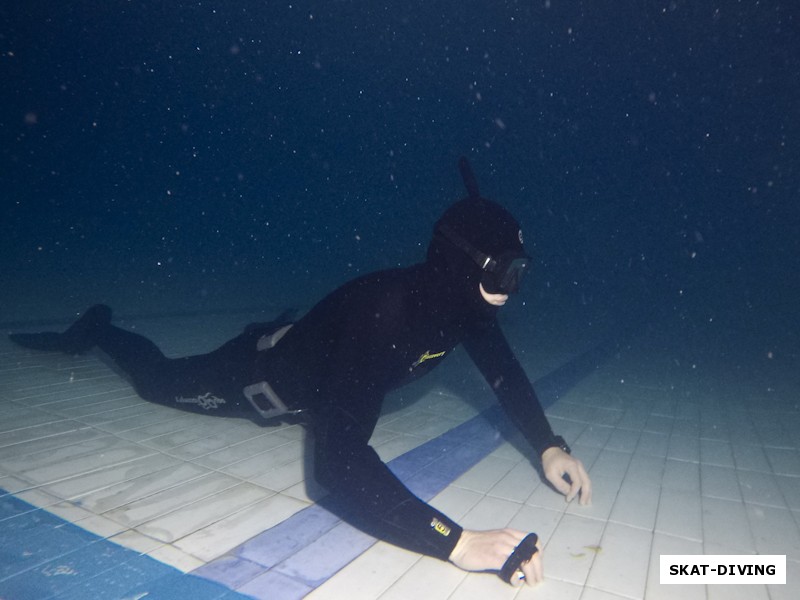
(338,362)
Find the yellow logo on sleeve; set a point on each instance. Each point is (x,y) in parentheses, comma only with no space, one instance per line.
(440,527)
(427,356)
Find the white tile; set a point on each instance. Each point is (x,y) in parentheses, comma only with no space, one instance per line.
(717,453)
(193,517)
(611,464)
(14,485)
(423,423)
(787,591)
(687,410)
(621,565)
(571,550)
(645,469)
(79,458)
(550,589)
(209,433)
(397,444)
(719,482)
(175,558)
(634,419)
(369,575)
(623,440)
(784,461)
(106,495)
(456,502)
(790,486)
(595,435)
(683,447)
(236,528)
(604,495)
(636,505)
(29,434)
(680,515)
(283,477)
(653,443)
(760,488)
(714,427)
(258,464)
(687,428)
(490,513)
(168,499)
(94,481)
(750,457)
(681,476)
(99,525)
(518,484)
(307,490)
(479,586)
(737,592)
(659,424)
(586,454)
(217,452)
(668,545)
(511,451)
(595,594)
(725,526)
(40,448)
(168,423)
(546,496)
(428,578)
(775,531)
(483,476)
(134,540)
(536,520)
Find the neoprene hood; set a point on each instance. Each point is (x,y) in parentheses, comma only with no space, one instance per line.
(479,240)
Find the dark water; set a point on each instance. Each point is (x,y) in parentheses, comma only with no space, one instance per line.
(192,156)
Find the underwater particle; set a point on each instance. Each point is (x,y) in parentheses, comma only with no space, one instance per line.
(31,118)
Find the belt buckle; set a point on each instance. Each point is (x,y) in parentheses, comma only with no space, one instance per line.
(276,406)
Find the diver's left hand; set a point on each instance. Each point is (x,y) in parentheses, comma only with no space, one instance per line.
(556,463)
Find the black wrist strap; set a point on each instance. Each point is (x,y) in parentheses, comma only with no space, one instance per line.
(522,553)
(560,442)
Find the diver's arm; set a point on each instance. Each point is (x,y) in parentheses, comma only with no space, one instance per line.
(489,349)
(369,496)
(374,499)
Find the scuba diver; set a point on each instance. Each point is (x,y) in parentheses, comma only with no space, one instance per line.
(336,364)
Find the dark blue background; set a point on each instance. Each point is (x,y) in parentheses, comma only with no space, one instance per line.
(207,155)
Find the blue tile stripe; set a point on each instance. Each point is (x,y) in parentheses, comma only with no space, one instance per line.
(43,557)
(301,553)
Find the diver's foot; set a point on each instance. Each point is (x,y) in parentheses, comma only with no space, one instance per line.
(78,339)
(48,341)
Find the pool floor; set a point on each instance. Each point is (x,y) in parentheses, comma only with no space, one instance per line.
(105,495)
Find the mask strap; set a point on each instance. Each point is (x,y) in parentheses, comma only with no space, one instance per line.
(484,261)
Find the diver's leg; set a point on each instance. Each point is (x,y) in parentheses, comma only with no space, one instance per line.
(78,339)
(206,383)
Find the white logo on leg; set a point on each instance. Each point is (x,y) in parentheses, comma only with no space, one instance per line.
(207,401)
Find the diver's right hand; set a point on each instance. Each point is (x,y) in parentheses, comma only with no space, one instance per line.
(489,550)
